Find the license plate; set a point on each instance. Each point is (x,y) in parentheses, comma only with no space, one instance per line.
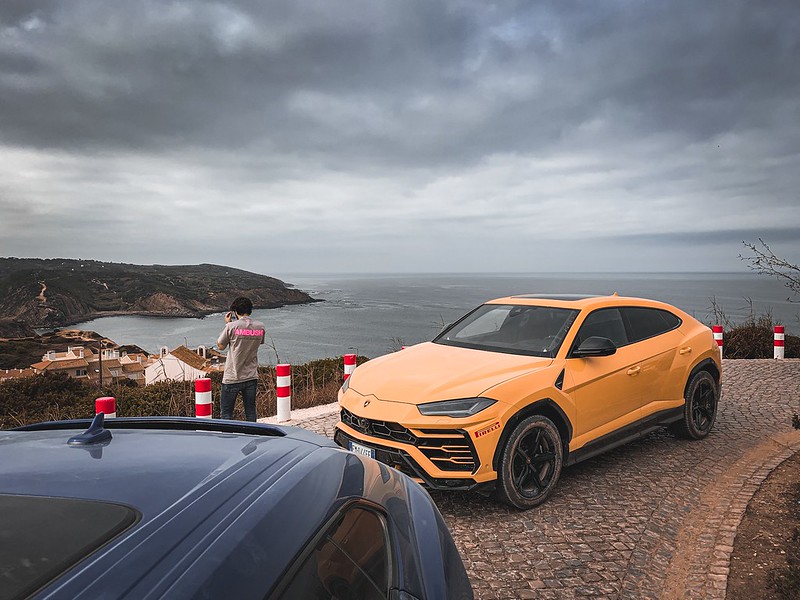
(362,450)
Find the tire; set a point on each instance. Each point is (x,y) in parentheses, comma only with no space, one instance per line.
(700,407)
(530,463)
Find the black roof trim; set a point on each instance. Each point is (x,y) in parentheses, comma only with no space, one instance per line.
(565,297)
(163,423)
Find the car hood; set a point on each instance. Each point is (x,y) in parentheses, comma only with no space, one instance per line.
(428,372)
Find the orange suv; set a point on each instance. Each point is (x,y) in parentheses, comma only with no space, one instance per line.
(521,386)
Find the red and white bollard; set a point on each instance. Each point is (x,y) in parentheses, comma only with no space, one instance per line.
(283,391)
(203,402)
(107,405)
(717,329)
(349,365)
(780,335)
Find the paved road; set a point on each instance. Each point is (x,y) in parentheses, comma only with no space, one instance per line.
(653,519)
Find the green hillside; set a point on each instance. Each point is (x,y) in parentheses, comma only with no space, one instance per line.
(58,292)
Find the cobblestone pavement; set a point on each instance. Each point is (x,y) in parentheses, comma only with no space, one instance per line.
(653,519)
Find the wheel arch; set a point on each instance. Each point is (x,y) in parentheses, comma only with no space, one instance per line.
(544,407)
(705,365)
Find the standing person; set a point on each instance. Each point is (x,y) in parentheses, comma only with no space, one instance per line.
(244,336)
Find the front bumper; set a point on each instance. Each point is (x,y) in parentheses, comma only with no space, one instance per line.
(402,461)
(438,451)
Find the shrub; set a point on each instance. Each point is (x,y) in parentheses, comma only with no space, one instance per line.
(55,396)
(754,338)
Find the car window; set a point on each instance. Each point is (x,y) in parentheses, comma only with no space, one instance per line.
(645,322)
(487,323)
(605,322)
(514,329)
(42,537)
(350,562)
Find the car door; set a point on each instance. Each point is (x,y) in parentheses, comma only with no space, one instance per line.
(606,390)
(655,336)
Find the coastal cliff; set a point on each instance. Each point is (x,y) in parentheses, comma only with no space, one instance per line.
(58,292)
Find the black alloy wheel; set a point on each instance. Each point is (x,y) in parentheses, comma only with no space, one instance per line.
(530,464)
(700,408)
(704,406)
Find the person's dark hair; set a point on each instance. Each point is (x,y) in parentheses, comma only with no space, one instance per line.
(242,306)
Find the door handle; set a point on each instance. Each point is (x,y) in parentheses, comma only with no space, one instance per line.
(634,370)
(686,350)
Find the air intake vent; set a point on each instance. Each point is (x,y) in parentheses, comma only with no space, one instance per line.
(560,380)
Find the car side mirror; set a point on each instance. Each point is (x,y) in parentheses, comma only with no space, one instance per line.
(594,346)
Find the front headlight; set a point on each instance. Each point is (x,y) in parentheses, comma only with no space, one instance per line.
(466,407)
(346,384)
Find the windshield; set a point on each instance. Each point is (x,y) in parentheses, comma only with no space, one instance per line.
(511,328)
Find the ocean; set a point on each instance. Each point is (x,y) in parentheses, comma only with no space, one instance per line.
(376,314)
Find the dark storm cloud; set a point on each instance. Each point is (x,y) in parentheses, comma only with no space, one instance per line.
(776,235)
(371,124)
(411,81)
(148,75)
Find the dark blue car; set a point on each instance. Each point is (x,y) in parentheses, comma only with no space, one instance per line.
(183,508)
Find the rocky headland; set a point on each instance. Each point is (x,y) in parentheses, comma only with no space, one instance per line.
(50,293)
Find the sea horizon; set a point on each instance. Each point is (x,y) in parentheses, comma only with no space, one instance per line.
(373,314)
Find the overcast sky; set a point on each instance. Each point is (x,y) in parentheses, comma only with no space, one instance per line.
(413,135)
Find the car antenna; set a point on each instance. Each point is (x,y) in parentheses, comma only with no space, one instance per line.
(94,435)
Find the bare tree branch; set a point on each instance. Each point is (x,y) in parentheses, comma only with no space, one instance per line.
(763,261)
(274,349)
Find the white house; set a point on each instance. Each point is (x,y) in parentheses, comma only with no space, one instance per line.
(181,364)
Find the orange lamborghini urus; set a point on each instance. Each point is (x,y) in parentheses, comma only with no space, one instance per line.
(522,386)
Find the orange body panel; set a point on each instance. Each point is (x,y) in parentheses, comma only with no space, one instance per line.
(595,397)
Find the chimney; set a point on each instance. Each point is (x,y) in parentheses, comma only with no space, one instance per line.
(51,355)
(201,350)
(164,351)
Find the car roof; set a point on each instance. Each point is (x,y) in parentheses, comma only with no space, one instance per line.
(39,461)
(578,301)
(200,487)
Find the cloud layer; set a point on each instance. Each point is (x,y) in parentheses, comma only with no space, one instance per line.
(307,135)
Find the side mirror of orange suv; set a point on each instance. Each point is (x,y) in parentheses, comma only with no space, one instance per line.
(594,346)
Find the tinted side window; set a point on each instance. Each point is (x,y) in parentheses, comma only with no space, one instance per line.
(645,323)
(350,562)
(607,323)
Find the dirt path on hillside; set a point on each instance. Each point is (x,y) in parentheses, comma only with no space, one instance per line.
(41,297)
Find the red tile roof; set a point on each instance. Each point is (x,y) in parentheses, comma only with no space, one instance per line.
(191,358)
(16,373)
(60,365)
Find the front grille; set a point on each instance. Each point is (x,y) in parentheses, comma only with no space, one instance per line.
(403,462)
(449,449)
(382,429)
